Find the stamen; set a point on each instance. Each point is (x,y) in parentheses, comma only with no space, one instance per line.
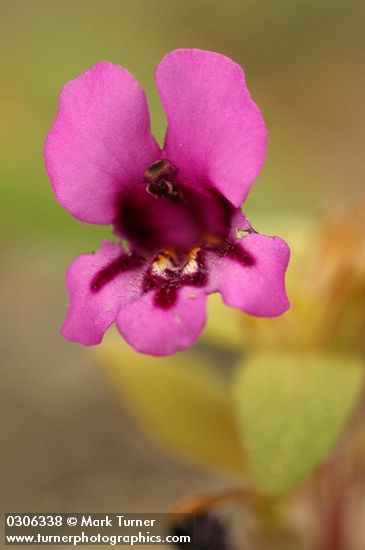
(162,169)
(162,188)
(161,180)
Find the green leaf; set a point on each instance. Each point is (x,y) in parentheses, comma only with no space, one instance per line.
(179,401)
(292,410)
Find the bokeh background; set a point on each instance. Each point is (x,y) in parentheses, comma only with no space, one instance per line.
(67,442)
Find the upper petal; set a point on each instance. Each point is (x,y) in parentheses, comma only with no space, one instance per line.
(216,134)
(100,142)
(158,331)
(97,292)
(252,275)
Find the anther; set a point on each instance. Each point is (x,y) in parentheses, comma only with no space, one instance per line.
(161,180)
(162,169)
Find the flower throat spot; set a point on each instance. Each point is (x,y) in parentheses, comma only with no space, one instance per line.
(167,275)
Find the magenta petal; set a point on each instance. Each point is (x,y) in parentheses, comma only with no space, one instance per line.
(239,222)
(92,312)
(99,143)
(259,286)
(216,134)
(158,331)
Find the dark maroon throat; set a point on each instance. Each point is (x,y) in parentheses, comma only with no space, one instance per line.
(163,212)
(171,228)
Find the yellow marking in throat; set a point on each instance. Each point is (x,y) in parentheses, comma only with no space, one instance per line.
(165,260)
(191,264)
(193,254)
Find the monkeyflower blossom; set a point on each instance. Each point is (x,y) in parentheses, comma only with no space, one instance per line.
(178,208)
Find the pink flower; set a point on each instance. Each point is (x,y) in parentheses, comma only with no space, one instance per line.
(178,208)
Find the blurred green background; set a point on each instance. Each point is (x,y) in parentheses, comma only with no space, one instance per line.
(67,443)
